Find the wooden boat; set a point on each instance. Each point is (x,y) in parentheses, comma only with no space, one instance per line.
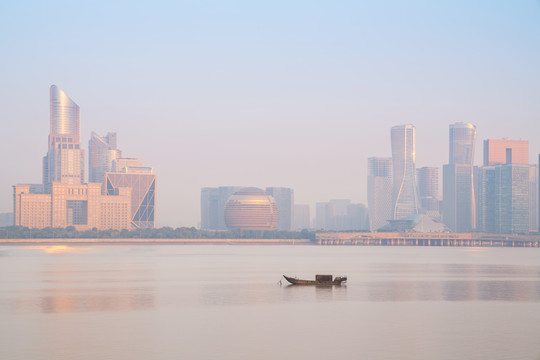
(319,280)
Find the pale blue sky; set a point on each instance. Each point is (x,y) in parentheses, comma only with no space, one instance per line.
(280,93)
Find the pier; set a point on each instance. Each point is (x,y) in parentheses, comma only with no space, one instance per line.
(427,239)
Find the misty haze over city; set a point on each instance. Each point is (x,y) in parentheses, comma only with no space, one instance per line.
(295,95)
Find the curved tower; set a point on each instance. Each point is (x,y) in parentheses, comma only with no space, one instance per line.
(405,198)
(64,161)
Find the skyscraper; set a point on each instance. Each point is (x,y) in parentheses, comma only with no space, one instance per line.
(533,198)
(495,151)
(301,217)
(379,188)
(213,202)
(142,182)
(405,195)
(102,152)
(428,190)
(64,161)
(459,206)
(284,198)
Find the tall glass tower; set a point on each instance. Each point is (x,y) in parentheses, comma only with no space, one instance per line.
(379,191)
(405,199)
(64,161)
(459,205)
(102,151)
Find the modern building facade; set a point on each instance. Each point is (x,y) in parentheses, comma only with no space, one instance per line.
(341,215)
(124,201)
(405,195)
(302,219)
(495,151)
(284,198)
(504,199)
(459,203)
(81,206)
(213,202)
(379,191)
(64,161)
(533,198)
(251,209)
(428,190)
(142,182)
(102,151)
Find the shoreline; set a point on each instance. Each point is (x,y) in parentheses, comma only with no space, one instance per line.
(158,241)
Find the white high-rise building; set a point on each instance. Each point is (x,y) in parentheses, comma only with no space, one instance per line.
(405,194)
(379,187)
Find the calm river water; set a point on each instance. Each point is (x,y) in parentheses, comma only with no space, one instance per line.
(225,302)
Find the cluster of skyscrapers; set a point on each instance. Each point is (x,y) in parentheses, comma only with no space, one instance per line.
(120,193)
(499,197)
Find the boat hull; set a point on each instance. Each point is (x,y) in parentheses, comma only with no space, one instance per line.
(295,281)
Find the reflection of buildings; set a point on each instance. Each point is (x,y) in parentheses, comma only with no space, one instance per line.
(379,190)
(405,196)
(65,200)
(459,205)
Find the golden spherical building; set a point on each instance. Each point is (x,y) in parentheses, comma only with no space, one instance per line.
(251,209)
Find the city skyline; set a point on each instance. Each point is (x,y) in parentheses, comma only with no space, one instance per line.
(302,105)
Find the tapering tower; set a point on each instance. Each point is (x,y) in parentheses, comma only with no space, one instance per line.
(406,201)
(64,161)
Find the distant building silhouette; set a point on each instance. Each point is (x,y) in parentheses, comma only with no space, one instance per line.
(405,195)
(302,219)
(284,198)
(428,190)
(459,203)
(102,151)
(213,202)
(251,209)
(379,191)
(341,215)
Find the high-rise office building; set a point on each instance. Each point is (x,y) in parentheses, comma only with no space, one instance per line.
(405,195)
(533,198)
(495,151)
(459,203)
(284,198)
(64,161)
(102,151)
(428,190)
(142,182)
(213,202)
(504,198)
(125,200)
(302,219)
(341,215)
(379,191)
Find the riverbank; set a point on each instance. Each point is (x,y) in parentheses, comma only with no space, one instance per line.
(158,241)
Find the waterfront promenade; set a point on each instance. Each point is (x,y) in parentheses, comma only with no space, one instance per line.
(427,239)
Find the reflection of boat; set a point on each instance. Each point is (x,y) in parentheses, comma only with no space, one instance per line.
(319,280)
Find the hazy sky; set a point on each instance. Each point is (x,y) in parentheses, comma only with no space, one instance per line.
(275,93)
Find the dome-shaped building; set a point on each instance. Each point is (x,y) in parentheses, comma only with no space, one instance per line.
(251,209)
